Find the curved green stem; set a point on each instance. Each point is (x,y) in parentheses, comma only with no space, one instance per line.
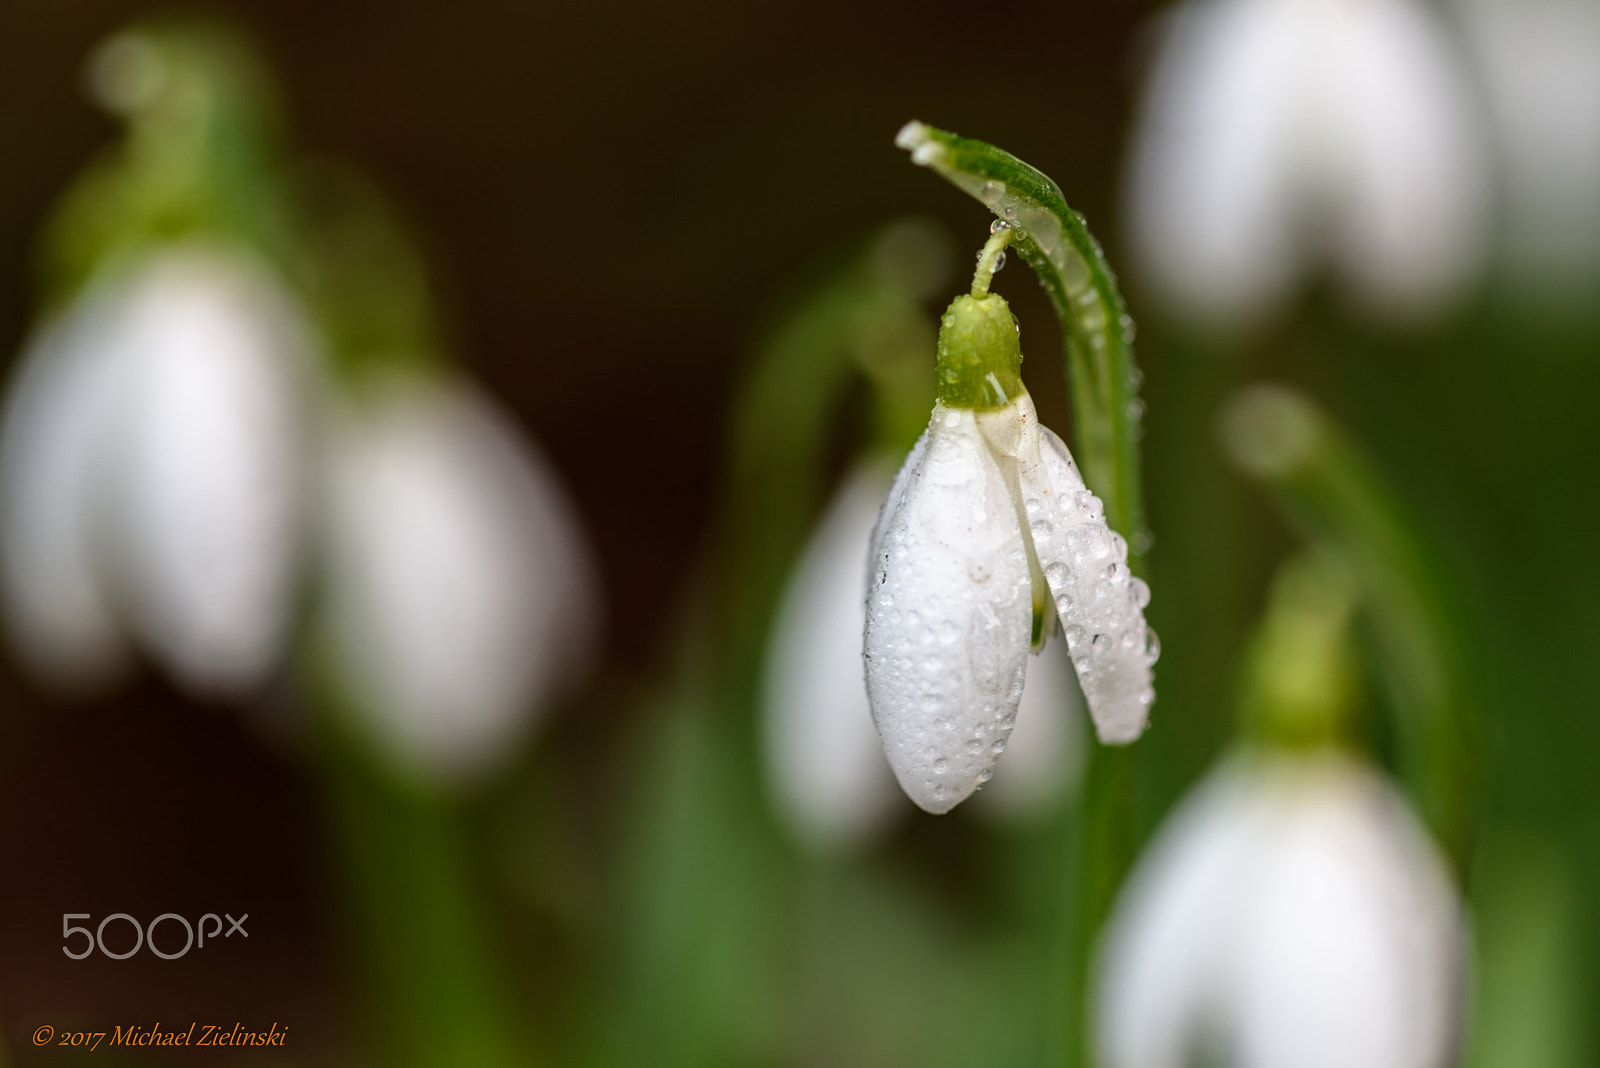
(1340,500)
(1096,330)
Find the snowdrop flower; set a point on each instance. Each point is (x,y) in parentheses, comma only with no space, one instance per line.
(1277,134)
(987,536)
(150,476)
(460,593)
(824,757)
(1292,914)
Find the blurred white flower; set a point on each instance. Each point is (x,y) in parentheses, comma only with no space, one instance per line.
(1540,61)
(150,474)
(1291,914)
(460,593)
(824,759)
(1276,135)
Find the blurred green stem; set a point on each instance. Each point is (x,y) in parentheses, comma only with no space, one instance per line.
(1340,501)
(707,857)
(417,918)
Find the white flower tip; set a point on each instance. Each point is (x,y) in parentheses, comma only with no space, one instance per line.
(917,138)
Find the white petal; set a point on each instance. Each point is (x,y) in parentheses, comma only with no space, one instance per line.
(949,615)
(1044,756)
(1292,915)
(1210,198)
(823,755)
(58,606)
(207,502)
(1352,953)
(1414,226)
(1158,958)
(461,594)
(1099,601)
(1541,65)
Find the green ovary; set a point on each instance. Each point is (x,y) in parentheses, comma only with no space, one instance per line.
(980,359)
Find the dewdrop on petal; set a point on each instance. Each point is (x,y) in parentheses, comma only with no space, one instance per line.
(1291,914)
(824,759)
(987,537)
(460,593)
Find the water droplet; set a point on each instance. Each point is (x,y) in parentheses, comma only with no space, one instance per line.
(1141,593)
(1142,541)
(998,225)
(1113,571)
(1152,646)
(1135,378)
(924,153)
(1130,638)
(941,766)
(985,775)
(991,192)
(1075,637)
(1000,261)
(1032,505)
(1056,573)
(1135,410)
(1101,643)
(998,747)
(1011,211)
(1042,529)
(1089,504)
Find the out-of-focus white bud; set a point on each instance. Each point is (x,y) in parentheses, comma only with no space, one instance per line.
(1541,65)
(824,759)
(1044,755)
(151,472)
(460,592)
(1279,134)
(1292,914)
(207,481)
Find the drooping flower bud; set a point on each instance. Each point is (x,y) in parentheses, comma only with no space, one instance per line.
(987,538)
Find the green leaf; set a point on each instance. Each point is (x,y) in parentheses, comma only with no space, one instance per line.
(1096,330)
